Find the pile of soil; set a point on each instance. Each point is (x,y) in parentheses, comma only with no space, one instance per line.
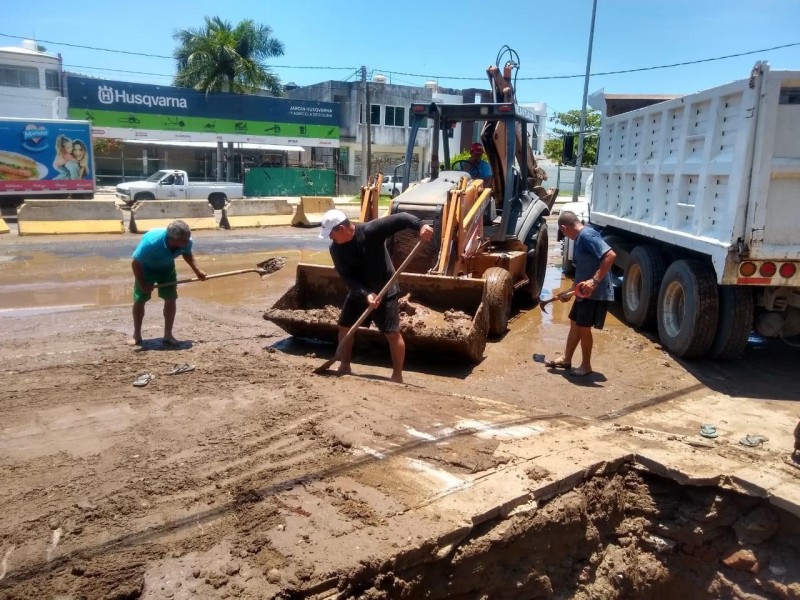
(416,319)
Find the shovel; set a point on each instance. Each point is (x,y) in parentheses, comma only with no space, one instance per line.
(324,367)
(266,267)
(565,295)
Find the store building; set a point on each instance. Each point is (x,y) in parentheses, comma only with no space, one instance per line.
(30,83)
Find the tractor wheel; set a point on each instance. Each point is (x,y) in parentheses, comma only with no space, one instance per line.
(498,294)
(567,266)
(536,264)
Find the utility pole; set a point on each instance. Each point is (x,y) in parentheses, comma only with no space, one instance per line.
(364,127)
(577,185)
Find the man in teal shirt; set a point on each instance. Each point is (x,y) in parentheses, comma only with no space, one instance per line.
(154,262)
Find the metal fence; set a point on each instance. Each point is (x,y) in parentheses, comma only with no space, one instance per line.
(130,163)
(564,177)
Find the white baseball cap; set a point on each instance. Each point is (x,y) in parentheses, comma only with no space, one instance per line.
(331,219)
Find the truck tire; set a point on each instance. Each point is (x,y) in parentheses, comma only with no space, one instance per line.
(536,263)
(688,308)
(143,196)
(217,201)
(497,295)
(736,307)
(567,266)
(640,286)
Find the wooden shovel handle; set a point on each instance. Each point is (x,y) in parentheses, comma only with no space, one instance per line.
(215,276)
(324,367)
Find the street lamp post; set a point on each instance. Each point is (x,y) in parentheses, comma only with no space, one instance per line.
(577,185)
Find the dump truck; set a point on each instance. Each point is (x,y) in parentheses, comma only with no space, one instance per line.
(699,196)
(490,242)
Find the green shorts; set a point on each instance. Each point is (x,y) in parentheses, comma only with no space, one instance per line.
(161,276)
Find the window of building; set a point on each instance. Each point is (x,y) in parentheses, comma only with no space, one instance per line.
(14,76)
(51,80)
(789,96)
(395,116)
(374,112)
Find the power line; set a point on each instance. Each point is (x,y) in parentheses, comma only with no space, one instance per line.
(145,54)
(428,76)
(679,64)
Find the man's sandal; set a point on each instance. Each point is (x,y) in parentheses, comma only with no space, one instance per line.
(557,364)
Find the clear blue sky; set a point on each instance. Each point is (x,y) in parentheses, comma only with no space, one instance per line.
(413,42)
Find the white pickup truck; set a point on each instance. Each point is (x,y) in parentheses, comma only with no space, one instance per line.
(172,184)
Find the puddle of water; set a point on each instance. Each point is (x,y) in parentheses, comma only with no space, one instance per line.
(45,283)
(39,310)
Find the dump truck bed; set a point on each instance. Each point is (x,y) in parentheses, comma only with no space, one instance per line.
(442,316)
(710,172)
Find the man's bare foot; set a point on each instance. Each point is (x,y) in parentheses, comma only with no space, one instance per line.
(170,340)
(581,371)
(344,370)
(135,341)
(397,378)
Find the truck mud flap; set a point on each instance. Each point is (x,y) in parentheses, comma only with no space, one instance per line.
(441,316)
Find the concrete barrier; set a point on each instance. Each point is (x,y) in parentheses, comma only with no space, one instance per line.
(351,211)
(3,226)
(152,214)
(48,217)
(256,213)
(310,210)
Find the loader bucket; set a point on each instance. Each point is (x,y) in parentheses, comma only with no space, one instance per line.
(449,318)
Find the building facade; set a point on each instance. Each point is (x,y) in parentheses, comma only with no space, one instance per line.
(388,123)
(30,83)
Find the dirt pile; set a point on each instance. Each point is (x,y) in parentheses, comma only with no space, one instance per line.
(416,319)
(628,535)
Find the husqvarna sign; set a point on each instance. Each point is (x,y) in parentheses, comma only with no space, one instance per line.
(108,95)
(119,109)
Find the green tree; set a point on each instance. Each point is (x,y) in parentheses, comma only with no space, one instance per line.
(106,145)
(221,58)
(570,122)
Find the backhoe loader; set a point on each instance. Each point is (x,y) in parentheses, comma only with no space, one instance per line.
(489,243)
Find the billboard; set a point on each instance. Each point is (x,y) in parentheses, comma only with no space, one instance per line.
(43,156)
(124,110)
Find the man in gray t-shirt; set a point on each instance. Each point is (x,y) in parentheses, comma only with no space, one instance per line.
(593,291)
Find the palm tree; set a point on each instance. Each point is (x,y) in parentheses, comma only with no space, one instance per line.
(223,58)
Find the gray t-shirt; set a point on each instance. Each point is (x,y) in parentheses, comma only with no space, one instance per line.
(590,248)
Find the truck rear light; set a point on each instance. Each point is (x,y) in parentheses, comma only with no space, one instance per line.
(505,108)
(768,269)
(747,269)
(787,270)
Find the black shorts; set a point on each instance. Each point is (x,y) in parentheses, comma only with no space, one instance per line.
(386,317)
(589,313)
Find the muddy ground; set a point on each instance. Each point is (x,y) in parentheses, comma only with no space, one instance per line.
(218,482)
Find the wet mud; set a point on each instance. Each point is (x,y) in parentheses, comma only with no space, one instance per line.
(242,478)
(416,319)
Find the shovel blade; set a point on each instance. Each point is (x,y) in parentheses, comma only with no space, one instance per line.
(271,265)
